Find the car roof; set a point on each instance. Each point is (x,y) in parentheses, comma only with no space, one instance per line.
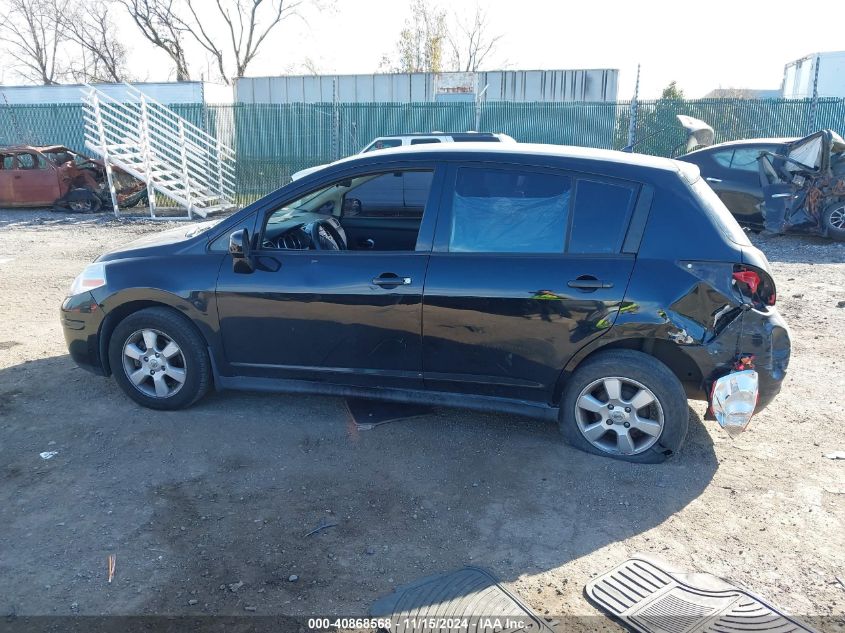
(500,150)
(747,141)
(37,148)
(437,133)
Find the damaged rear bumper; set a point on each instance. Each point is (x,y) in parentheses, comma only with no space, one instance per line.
(765,336)
(761,361)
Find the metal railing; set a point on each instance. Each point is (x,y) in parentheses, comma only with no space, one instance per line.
(174,157)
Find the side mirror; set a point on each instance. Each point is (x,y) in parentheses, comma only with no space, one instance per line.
(240,249)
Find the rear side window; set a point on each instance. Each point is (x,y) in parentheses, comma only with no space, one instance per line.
(746,159)
(31,161)
(600,216)
(383,144)
(723,158)
(424,141)
(509,211)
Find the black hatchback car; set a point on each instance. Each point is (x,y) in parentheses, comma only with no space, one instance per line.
(594,288)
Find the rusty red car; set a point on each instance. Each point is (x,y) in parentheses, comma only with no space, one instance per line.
(56,176)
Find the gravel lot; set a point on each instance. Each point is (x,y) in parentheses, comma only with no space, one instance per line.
(194,503)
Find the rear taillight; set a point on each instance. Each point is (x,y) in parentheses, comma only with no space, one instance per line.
(756,285)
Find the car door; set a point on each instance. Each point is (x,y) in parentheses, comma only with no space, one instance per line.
(7,174)
(35,181)
(349,317)
(527,267)
(733,173)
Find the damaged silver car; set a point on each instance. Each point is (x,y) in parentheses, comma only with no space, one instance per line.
(780,185)
(804,187)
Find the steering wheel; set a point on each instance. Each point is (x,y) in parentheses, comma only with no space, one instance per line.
(325,238)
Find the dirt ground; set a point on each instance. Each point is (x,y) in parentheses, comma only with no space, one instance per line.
(194,503)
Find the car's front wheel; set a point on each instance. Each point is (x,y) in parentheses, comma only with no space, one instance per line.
(159,359)
(833,218)
(627,405)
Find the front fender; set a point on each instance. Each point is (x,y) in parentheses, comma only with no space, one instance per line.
(184,283)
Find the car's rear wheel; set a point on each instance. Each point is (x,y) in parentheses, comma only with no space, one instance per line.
(626,405)
(834,220)
(159,359)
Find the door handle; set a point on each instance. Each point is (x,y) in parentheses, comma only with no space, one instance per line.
(589,283)
(708,179)
(781,195)
(391,280)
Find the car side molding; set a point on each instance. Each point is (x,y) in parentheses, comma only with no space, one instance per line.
(433,398)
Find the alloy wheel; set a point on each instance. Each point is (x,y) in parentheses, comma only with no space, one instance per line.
(837,218)
(619,415)
(154,363)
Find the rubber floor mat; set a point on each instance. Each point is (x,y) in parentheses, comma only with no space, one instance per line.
(370,413)
(468,600)
(647,595)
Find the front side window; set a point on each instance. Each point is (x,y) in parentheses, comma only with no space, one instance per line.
(600,216)
(400,194)
(360,212)
(509,211)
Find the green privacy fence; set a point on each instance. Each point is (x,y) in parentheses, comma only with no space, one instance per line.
(274,140)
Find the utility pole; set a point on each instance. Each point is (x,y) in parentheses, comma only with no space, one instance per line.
(814,104)
(335,121)
(632,127)
(478,108)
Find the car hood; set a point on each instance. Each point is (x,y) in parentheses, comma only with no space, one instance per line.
(149,244)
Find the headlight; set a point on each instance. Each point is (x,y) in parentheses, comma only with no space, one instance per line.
(94,276)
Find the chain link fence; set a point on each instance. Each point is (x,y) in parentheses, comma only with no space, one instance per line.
(274,140)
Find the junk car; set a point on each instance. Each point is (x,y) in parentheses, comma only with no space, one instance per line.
(780,185)
(59,177)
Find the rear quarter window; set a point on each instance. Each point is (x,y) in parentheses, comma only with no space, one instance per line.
(718,212)
(600,216)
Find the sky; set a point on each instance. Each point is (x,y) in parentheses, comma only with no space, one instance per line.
(701,45)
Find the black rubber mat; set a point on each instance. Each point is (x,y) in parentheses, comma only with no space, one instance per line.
(469,600)
(647,595)
(370,413)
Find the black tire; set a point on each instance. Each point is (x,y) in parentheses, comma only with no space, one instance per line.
(833,219)
(83,201)
(193,359)
(638,368)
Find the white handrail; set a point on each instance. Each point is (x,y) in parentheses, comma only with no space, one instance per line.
(171,155)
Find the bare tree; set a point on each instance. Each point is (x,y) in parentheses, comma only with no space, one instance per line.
(103,54)
(159,23)
(31,30)
(247,24)
(470,41)
(420,44)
